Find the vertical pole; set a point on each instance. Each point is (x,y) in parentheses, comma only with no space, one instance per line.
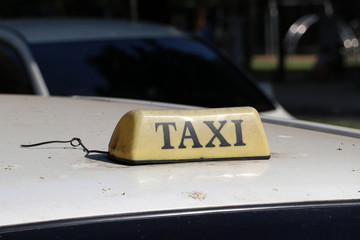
(280,73)
(134,13)
(272,29)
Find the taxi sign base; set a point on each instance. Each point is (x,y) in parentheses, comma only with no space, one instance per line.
(144,162)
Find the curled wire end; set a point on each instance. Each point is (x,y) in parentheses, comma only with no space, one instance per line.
(74,142)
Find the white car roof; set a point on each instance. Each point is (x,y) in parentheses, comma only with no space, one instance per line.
(53,182)
(58,30)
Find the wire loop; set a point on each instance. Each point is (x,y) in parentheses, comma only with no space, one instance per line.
(74,142)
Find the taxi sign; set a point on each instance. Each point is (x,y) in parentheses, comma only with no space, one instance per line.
(161,136)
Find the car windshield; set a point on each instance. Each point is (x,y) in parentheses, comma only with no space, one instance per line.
(176,70)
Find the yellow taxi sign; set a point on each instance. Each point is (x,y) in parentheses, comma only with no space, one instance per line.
(160,136)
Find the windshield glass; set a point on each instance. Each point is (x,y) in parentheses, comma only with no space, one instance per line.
(184,71)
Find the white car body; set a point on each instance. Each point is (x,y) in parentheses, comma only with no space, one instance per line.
(309,164)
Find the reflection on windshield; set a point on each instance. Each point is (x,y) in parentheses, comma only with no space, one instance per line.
(170,70)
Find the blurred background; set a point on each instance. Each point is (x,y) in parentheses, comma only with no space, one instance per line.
(304,53)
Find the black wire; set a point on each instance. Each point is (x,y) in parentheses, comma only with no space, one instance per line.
(75,142)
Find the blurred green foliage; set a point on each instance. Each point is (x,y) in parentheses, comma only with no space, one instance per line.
(351,123)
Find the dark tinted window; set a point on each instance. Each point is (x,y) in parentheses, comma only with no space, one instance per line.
(13,78)
(170,70)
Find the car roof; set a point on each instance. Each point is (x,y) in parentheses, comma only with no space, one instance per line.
(53,182)
(58,29)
